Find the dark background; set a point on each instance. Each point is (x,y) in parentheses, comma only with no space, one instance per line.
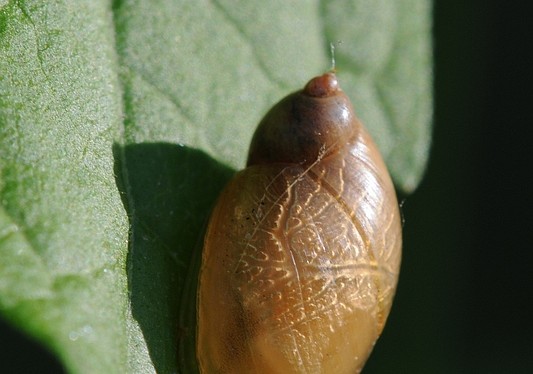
(465,293)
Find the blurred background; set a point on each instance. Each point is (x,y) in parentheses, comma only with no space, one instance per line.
(465,293)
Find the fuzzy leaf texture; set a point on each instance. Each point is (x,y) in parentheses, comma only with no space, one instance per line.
(120,122)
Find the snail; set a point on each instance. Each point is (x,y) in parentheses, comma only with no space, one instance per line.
(302,252)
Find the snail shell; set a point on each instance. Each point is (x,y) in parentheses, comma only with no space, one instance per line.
(302,253)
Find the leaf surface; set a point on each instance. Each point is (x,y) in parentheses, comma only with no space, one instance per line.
(120,123)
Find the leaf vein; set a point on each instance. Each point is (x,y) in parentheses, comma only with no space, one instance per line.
(251,44)
(38,51)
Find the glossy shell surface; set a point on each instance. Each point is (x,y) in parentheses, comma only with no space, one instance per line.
(302,253)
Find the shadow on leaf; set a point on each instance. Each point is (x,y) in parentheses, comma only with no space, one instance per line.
(168,192)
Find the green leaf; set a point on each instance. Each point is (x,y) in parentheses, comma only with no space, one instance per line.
(119,125)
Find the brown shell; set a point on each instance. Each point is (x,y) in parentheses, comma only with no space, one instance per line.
(302,252)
